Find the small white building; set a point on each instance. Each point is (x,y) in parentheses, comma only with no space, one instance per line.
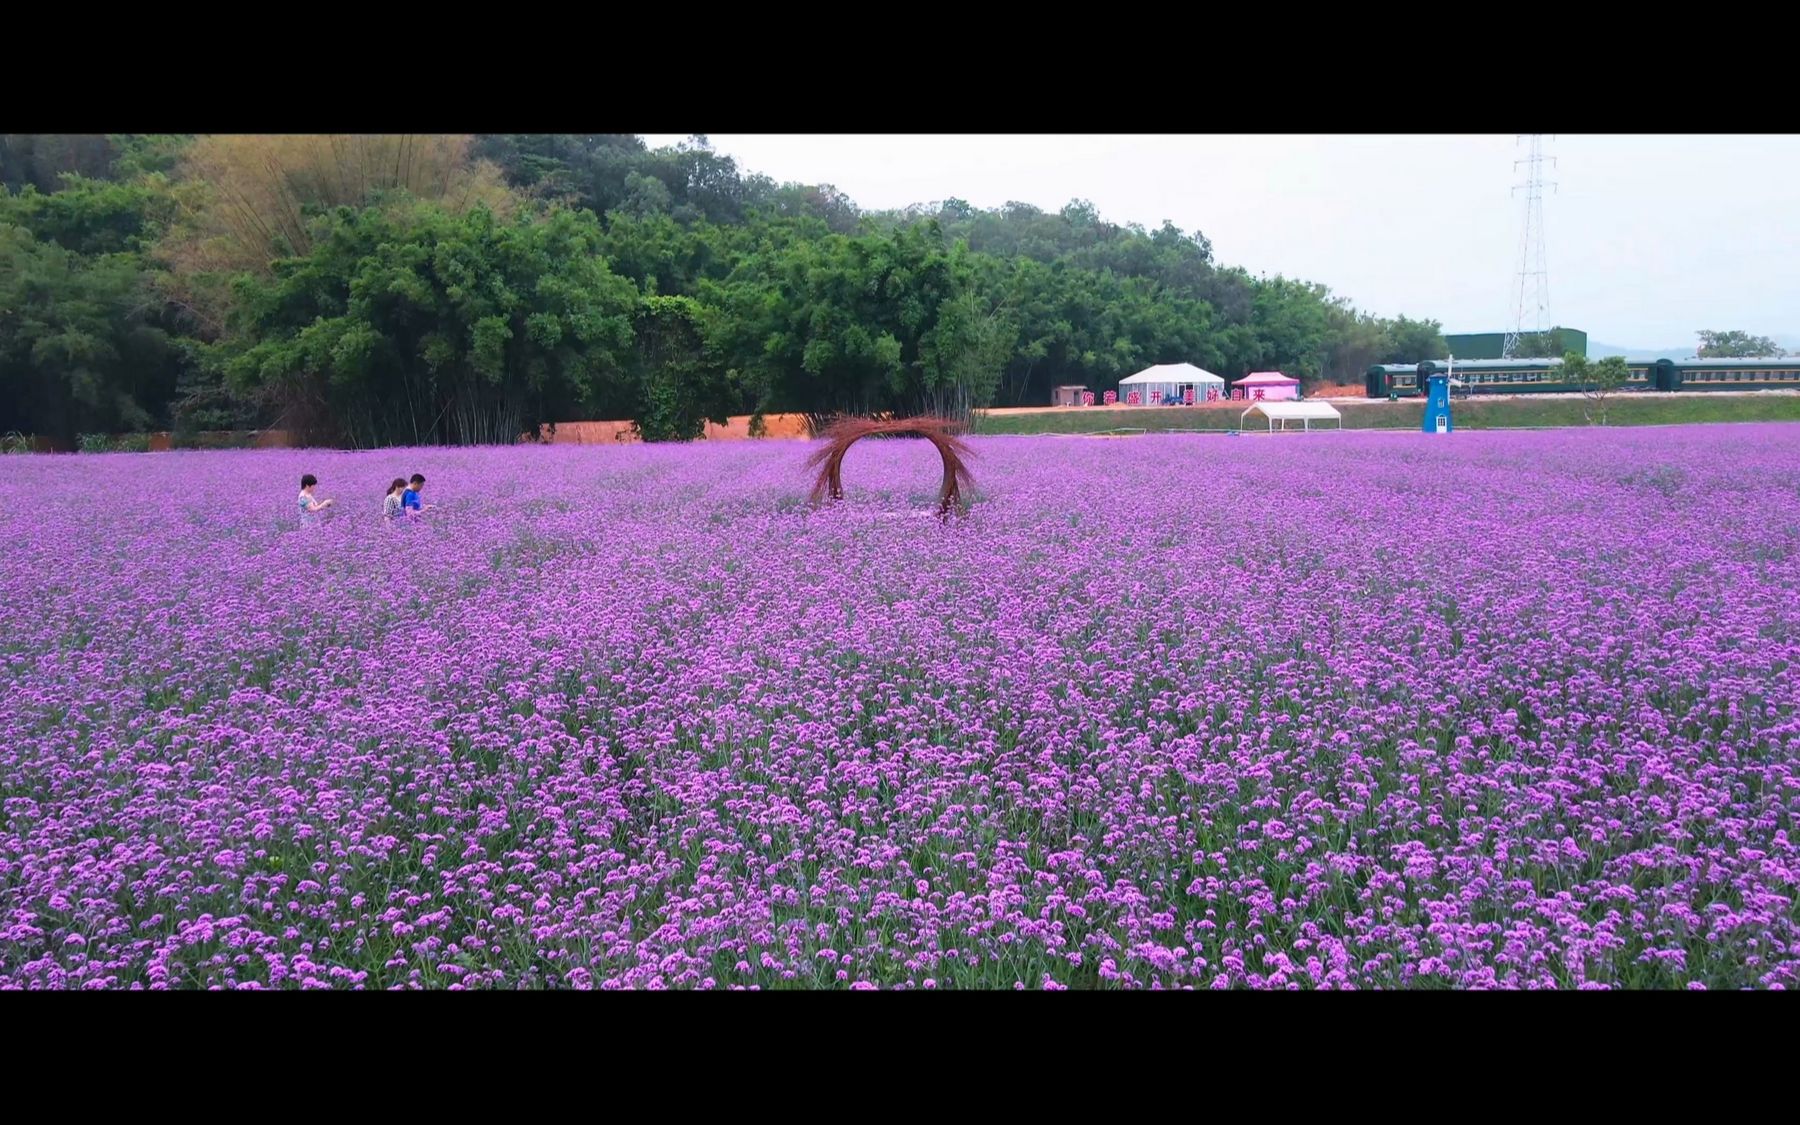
(1168,381)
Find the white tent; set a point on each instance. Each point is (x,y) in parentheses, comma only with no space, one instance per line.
(1172,379)
(1285,412)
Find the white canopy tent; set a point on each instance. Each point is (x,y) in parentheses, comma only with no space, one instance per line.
(1284,412)
(1172,379)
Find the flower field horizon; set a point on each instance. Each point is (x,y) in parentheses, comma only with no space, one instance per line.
(1345,710)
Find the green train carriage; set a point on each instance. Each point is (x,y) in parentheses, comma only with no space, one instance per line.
(1736,374)
(1544,376)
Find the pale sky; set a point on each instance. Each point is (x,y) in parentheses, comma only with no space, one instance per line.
(1647,238)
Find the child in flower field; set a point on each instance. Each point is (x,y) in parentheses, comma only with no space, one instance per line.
(308,502)
(409,500)
(391,504)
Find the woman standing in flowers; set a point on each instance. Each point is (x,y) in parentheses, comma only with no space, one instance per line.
(308,502)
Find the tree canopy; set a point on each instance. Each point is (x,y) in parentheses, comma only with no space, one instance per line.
(1736,345)
(399,288)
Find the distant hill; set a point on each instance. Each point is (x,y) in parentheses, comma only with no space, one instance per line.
(1679,351)
(1790,344)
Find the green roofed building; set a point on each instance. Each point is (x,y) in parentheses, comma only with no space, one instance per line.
(1546,345)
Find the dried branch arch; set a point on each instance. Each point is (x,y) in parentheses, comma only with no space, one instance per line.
(940,432)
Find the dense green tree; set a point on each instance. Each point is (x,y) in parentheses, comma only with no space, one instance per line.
(1292,328)
(77,351)
(414,325)
(765,296)
(1598,381)
(1736,345)
(1413,341)
(1356,341)
(966,350)
(680,381)
(88,216)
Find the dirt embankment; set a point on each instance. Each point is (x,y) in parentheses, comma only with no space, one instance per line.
(779,426)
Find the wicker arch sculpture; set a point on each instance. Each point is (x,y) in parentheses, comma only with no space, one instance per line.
(940,432)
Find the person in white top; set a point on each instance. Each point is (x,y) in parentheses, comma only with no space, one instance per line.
(390,504)
(308,502)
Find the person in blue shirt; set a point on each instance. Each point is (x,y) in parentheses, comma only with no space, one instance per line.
(409,500)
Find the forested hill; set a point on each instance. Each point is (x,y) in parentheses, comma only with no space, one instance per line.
(371,290)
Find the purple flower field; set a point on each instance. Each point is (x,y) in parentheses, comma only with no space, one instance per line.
(1345,710)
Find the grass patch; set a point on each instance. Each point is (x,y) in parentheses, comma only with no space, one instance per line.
(1474,414)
